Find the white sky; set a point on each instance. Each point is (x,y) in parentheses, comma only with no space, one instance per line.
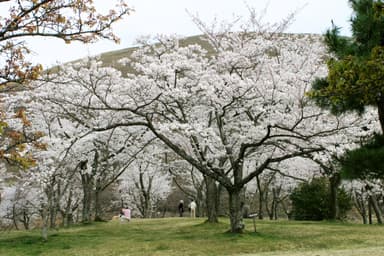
(170,17)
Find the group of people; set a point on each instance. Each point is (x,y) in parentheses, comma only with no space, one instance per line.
(125,213)
(192,207)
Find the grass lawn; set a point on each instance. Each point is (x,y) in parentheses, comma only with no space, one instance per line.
(184,236)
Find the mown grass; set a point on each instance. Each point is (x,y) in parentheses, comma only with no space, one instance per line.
(184,236)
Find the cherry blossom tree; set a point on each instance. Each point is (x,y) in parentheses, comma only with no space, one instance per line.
(69,21)
(98,159)
(232,108)
(194,186)
(19,206)
(247,101)
(146,183)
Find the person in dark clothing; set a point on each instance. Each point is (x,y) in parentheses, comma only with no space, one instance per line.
(181,208)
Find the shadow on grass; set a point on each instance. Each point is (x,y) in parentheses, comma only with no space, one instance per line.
(21,240)
(32,245)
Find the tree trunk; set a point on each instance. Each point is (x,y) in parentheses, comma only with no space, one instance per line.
(276,195)
(334,182)
(236,211)
(45,219)
(87,197)
(201,201)
(67,214)
(376,208)
(14,217)
(360,204)
(147,207)
(52,215)
(261,198)
(211,200)
(286,210)
(370,212)
(26,219)
(364,216)
(380,110)
(67,219)
(269,212)
(97,206)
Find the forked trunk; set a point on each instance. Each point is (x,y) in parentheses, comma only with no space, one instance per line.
(376,208)
(360,204)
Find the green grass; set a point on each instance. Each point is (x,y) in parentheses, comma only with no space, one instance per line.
(184,236)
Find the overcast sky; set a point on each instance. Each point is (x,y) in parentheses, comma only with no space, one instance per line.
(171,17)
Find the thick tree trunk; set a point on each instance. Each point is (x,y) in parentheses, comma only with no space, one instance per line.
(364,217)
(147,208)
(201,201)
(236,211)
(334,182)
(97,206)
(67,219)
(53,215)
(212,199)
(276,195)
(67,214)
(87,197)
(86,216)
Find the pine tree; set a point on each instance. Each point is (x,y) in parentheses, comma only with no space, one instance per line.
(356,70)
(356,80)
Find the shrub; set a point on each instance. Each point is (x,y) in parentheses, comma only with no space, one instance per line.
(311,200)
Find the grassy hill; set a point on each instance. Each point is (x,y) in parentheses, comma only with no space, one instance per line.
(185,236)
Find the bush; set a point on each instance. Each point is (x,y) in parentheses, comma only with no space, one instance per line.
(311,200)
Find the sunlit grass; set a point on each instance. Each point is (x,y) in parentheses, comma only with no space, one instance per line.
(184,236)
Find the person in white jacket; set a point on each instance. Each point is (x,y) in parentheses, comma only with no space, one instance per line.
(192,206)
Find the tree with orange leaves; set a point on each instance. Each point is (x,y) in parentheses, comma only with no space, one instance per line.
(69,20)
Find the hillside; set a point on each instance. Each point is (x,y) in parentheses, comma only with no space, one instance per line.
(111,58)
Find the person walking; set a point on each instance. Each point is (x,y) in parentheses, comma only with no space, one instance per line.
(181,208)
(192,207)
